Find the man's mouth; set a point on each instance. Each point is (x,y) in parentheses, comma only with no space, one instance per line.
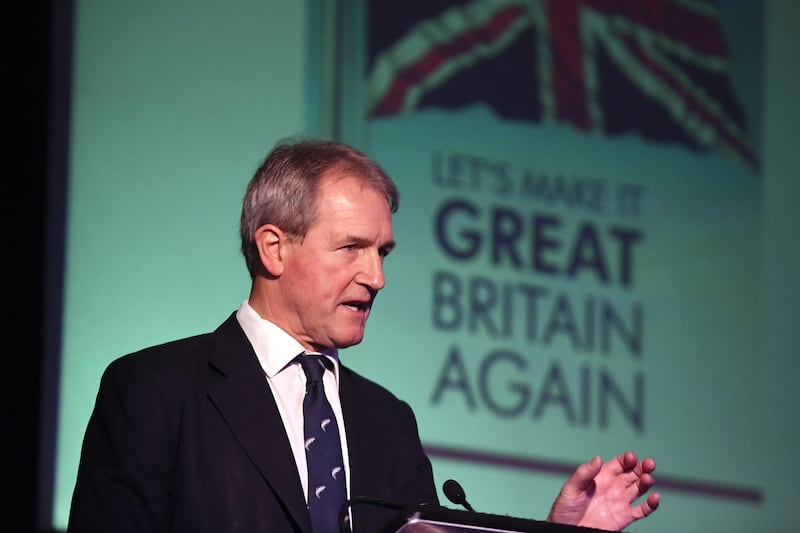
(358,306)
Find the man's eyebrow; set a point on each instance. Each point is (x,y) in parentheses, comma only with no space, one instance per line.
(363,241)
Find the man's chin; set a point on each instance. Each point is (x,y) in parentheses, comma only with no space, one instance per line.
(350,340)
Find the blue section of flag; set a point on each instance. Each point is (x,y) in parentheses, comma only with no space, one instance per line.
(658,69)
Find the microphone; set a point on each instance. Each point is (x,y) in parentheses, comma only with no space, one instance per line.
(454,493)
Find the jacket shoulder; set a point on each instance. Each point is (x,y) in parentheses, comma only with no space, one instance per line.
(180,359)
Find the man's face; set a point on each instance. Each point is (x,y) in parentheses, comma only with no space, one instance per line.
(331,278)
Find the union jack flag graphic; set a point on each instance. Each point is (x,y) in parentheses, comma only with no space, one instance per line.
(657,68)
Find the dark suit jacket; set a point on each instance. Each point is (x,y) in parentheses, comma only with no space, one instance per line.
(186,437)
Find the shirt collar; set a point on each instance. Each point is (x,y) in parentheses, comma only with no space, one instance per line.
(274,347)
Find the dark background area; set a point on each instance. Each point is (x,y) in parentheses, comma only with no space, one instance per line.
(27,73)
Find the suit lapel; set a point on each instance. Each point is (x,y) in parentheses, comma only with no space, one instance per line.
(362,456)
(246,402)
(354,431)
(368,462)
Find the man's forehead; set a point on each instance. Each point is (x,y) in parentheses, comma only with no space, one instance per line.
(338,178)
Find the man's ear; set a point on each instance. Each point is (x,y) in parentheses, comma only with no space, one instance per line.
(270,241)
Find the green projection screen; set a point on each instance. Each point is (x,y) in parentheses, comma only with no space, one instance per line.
(578,238)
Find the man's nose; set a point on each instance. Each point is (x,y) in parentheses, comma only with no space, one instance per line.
(371,271)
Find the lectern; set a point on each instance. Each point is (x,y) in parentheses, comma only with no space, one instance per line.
(437,519)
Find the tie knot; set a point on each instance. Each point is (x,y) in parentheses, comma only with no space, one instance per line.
(313,366)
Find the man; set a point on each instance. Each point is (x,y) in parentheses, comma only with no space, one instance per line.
(206,433)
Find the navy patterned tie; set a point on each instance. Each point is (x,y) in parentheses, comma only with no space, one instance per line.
(326,476)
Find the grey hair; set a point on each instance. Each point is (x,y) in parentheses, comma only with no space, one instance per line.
(283,190)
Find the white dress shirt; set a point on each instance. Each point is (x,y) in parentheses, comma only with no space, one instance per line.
(275,350)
